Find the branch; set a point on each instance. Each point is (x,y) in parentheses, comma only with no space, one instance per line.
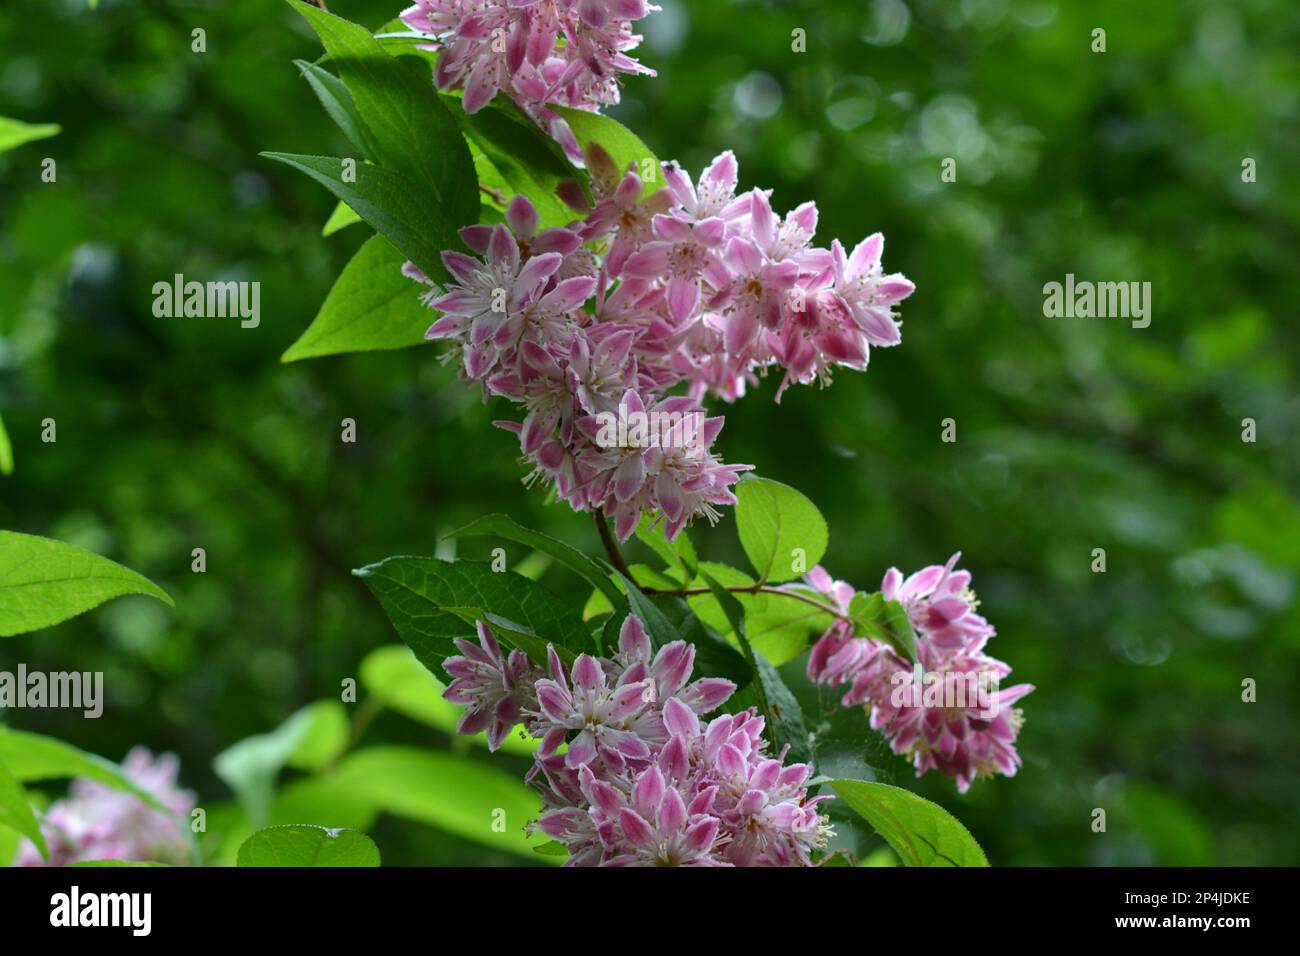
(611,546)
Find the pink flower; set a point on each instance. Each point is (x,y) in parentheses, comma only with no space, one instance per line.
(494,688)
(949,712)
(96,822)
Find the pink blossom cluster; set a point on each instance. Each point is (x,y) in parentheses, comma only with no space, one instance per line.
(648,304)
(539,53)
(97,822)
(965,736)
(629,773)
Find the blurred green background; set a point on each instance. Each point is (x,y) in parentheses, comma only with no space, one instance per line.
(1073,434)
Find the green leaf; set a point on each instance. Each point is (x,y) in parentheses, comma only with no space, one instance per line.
(6,451)
(624,146)
(44,582)
(503,526)
(773,520)
(883,620)
(16,810)
(406,126)
(36,757)
(393,675)
(431,601)
(525,159)
(679,553)
(779,626)
(14,133)
(461,796)
(100,863)
(302,845)
(310,739)
(669,619)
(371,306)
(780,710)
(391,203)
(342,217)
(920,832)
(338,103)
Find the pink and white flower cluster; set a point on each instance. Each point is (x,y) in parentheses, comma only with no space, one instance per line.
(539,53)
(629,773)
(96,822)
(649,303)
(966,742)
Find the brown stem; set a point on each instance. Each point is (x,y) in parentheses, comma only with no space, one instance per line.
(751,589)
(611,546)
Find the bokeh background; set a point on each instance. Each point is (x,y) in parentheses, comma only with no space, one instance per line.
(1072,434)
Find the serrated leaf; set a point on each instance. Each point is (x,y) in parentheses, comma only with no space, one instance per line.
(920,832)
(338,103)
(391,203)
(303,845)
(503,526)
(44,582)
(372,306)
(773,520)
(429,600)
(406,127)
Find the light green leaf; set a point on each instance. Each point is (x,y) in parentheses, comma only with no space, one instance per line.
(678,553)
(773,520)
(459,795)
(302,845)
(32,757)
(624,146)
(6,451)
(340,218)
(371,306)
(920,832)
(310,739)
(44,582)
(431,601)
(391,203)
(14,133)
(882,620)
(16,810)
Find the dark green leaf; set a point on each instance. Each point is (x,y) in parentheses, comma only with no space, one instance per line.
(390,203)
(426,599)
